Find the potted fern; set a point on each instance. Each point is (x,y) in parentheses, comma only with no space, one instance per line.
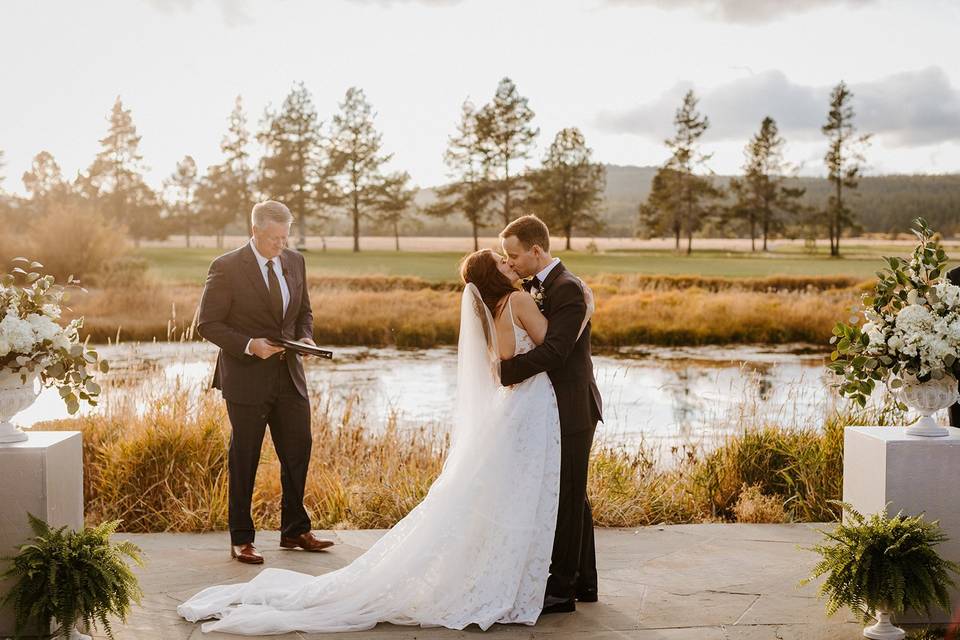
(880,566)
(65,578)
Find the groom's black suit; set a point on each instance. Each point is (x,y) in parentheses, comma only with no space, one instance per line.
(567,361)
(236,306)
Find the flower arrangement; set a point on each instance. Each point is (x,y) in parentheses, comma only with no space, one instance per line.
(35,342)
(912,328)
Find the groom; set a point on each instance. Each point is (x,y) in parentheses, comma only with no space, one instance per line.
(566,359)
(254,295)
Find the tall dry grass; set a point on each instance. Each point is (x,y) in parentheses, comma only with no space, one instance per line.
(409,312)
(165,469)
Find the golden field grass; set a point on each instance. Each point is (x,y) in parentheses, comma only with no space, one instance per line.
(165,469)
(408,311)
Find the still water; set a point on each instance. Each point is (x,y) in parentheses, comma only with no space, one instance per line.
(658,394)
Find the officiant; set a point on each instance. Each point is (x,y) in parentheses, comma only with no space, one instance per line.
(254,296)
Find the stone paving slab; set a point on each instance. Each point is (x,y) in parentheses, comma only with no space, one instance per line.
(702,582)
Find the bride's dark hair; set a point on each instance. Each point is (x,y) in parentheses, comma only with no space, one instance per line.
(480,268)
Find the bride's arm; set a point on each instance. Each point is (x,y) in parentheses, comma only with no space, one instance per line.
(528,315)
(591,306)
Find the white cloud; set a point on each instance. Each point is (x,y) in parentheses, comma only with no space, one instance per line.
(429,3)
(743,11)
(235,12)
(908,109)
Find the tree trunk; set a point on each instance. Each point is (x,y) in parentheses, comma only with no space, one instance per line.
(188,236)
(568,232)
(676,244)
(396,235)
(753,234)
(476,240)
(836,248)
(689,241)
(506,194)
(356,224)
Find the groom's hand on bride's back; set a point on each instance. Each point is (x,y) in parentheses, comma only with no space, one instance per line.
(263,348)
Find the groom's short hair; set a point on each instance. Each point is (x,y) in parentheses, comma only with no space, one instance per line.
(529,230)
(270,211)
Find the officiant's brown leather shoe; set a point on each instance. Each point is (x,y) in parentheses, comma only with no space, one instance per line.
(306,541)
(246,553)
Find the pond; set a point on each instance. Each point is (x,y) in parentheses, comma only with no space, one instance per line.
(662,395)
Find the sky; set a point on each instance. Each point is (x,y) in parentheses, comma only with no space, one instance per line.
(616,69)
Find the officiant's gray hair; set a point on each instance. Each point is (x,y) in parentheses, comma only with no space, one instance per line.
(270,211)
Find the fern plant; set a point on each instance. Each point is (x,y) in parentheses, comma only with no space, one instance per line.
(73,576)
(879,563)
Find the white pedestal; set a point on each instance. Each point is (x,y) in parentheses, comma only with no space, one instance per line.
(44,476)
(915,474)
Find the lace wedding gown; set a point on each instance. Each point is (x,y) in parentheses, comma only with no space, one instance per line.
(475,550)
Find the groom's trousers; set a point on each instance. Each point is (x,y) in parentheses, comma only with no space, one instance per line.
(287,413)
(573,567)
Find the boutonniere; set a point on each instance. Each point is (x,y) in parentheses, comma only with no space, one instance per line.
(537,297)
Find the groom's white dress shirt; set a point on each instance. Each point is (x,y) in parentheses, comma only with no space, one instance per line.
(278,269)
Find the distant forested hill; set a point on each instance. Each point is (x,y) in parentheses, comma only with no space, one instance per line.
(882,203)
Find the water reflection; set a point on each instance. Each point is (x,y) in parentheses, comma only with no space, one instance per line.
(659,394)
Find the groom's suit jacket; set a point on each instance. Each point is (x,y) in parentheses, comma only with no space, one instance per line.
(235,307)
(565,358)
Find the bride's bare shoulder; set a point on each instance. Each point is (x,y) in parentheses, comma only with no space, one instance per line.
(523,301)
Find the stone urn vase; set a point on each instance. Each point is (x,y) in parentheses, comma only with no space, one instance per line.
(884,629)
(15,396)
(926,398)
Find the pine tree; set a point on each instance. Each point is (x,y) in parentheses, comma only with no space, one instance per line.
(761,197)
(354,153)
(292,143)
(694,191)
(844,160)
(505,127)
(395,203)
(568,191)
(182,185)
(471,190)
(45,184)
(216,200)
(234,145)
(114,181)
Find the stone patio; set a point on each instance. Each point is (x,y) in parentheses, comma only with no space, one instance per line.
(704,582)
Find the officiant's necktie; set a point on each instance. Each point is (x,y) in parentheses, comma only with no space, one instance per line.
(276,296)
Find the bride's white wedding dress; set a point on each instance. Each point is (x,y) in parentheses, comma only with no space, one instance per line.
(476,550)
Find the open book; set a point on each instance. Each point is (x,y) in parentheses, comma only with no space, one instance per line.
(303,348)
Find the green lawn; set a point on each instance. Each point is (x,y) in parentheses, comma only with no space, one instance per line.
(190,265)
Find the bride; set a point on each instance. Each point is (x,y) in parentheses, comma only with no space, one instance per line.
(477,548)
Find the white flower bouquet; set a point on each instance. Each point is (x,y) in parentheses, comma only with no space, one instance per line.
(912,328)
(34,342)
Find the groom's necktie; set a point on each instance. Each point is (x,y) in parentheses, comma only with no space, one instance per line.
(533,283)
(276,296)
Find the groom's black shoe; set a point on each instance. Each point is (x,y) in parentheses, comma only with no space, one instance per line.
(553,604)
(587,594)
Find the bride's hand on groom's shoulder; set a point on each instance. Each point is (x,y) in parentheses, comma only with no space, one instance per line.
(589,298)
